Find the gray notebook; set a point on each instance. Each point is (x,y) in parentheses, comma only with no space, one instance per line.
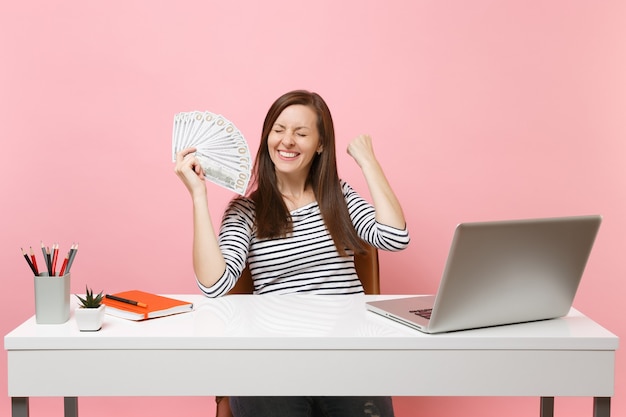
(502,272)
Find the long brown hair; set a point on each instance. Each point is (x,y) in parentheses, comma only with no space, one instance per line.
(272,216)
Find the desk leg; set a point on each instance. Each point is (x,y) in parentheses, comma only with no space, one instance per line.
(19,407)
(71,406)
(547,407)
(601,406)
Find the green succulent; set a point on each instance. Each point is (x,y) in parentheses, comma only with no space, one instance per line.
(90,301)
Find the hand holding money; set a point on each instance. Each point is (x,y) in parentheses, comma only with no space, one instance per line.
(190,171)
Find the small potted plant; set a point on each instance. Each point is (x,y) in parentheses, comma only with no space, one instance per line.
(90,313)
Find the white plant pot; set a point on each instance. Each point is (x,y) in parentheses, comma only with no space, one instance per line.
(89,319)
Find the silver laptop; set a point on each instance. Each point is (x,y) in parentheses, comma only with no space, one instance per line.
(502,272)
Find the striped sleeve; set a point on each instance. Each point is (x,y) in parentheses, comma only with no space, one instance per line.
(363,217)
(234,240)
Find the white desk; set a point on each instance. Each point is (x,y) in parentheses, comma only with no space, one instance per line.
(263,345)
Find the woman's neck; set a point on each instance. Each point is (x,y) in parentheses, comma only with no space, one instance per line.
(296,194)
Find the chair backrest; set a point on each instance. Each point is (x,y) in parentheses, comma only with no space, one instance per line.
(366,265)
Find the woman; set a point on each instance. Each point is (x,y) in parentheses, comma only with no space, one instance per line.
(297,230)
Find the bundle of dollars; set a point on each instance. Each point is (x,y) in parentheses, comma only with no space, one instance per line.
(221,149)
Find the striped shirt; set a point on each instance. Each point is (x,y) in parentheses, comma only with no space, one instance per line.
(306,261)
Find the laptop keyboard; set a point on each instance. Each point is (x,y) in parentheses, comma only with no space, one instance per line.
(425,312)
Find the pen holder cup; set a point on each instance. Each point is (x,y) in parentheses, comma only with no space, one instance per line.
(52,299)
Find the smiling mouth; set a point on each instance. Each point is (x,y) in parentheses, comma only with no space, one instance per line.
(285,154)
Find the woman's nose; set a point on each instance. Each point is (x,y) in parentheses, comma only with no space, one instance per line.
(288,138)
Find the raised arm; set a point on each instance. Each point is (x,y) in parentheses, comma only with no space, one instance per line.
(208,262)
(388,209)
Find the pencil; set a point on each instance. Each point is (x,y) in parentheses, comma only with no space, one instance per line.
(30,263)
(72,255)
(45,257)
(55,255)
(64,265)
(32,258)
(49,261)
(126,300)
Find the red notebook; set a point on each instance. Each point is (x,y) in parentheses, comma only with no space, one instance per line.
(155,305)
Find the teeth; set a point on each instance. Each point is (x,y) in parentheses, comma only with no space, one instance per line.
(288,154)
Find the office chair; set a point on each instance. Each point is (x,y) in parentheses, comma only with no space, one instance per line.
(366,265)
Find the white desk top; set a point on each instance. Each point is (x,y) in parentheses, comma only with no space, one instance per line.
(301,322)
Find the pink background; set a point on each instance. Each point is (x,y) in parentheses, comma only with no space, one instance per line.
(480,110)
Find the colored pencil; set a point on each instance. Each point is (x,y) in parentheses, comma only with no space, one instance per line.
(32,258)
(64,265)
(126,300)
(55,255)
(49,261)
(72,255)
(30,263)
(45,257)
